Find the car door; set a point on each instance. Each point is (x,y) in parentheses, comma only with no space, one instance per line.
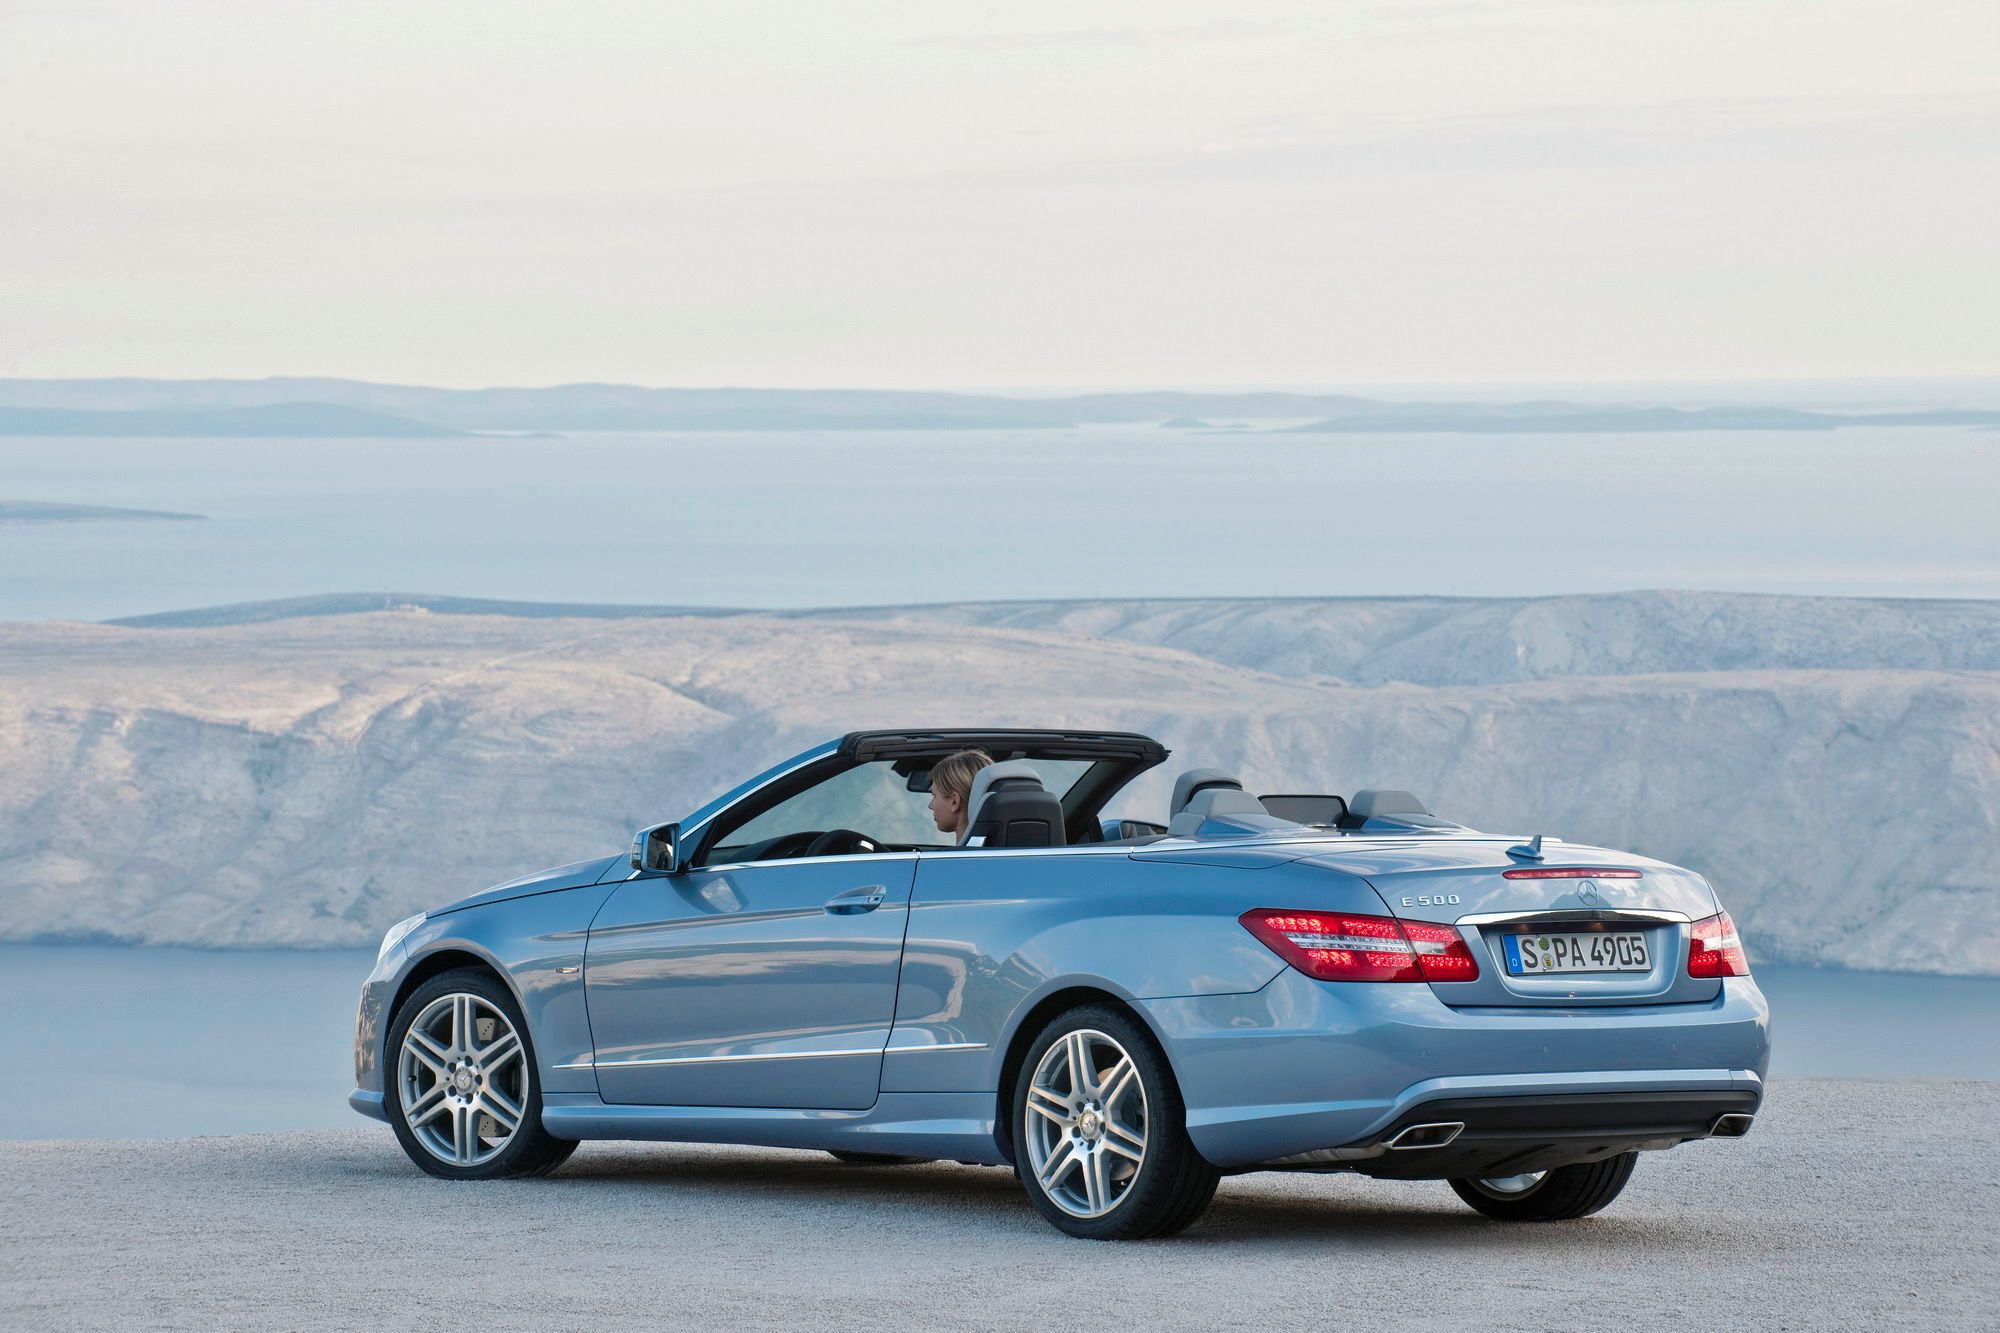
(763,984)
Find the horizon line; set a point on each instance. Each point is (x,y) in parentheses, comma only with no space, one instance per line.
(1062,390)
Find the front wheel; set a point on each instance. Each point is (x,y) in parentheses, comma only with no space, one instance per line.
(461,1087)
(1550,1196)
(1100,1131)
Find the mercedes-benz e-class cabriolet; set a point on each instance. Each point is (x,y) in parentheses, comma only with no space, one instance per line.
(1123,1010)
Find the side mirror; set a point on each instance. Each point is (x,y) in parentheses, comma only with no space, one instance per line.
(658,849)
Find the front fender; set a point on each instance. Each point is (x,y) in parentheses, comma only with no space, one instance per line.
(535,945)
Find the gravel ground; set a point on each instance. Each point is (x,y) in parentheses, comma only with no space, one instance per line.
(1851,1205)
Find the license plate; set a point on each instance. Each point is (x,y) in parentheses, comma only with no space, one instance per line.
(1597,951)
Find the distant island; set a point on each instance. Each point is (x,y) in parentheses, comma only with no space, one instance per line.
(1562,417)
(284,420)
(345,409)
(35,511)
(365,603)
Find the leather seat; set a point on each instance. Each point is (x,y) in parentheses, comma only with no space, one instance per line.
(1011,808)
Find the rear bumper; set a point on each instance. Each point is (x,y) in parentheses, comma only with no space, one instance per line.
(1306,1066)
(1500,1136)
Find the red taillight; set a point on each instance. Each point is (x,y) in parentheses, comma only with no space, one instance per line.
(1567,872)
(1714,950)
(1346,946)
(1441,952)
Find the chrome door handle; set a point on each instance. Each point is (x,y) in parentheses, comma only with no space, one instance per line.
(855,901)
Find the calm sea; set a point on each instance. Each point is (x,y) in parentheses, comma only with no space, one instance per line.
(149,1043)
(842,519)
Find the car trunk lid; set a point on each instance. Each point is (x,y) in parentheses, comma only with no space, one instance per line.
(1547,932)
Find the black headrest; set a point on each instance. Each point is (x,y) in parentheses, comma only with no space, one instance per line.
(1011,808)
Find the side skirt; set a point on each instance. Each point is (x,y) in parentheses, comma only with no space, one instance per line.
(953,1125)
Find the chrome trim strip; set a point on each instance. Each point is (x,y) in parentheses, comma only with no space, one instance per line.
(589,1062)
(1636,915)
(1076,849)
(1081,849)
(1072,849)
(731,1059)
(856,858)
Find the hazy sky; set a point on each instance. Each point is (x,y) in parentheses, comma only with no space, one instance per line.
(913,194)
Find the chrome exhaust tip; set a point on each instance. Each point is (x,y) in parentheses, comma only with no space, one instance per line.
(1433,1135)
(1732,1126)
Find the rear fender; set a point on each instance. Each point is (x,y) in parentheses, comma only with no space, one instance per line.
(992,935)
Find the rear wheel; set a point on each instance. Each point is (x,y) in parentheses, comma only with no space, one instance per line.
(1550,1196)
(1100,1131)
(462,1094)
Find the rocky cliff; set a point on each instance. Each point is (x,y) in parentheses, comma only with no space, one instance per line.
(308,781)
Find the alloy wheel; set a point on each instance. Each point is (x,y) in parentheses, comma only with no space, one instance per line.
(463,1079)
(1508,1187)
(1086,1123)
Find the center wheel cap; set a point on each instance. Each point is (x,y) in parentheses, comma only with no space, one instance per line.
(462,1080)
(1089,1125)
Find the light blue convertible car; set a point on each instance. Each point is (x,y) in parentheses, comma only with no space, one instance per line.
(1123,1011)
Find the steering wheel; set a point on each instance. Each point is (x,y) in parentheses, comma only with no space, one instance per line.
(841,842)
(785,846)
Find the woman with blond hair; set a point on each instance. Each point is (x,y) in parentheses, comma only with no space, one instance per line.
(951,788)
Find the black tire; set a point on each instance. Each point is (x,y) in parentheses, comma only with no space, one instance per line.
(1562,1194)
(1173,1184)
(532,1151)
(875,1158)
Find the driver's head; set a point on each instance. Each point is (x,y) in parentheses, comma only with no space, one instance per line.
(951,788)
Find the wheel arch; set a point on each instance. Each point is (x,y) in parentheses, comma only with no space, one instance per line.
(436,963)
(1037,1015)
